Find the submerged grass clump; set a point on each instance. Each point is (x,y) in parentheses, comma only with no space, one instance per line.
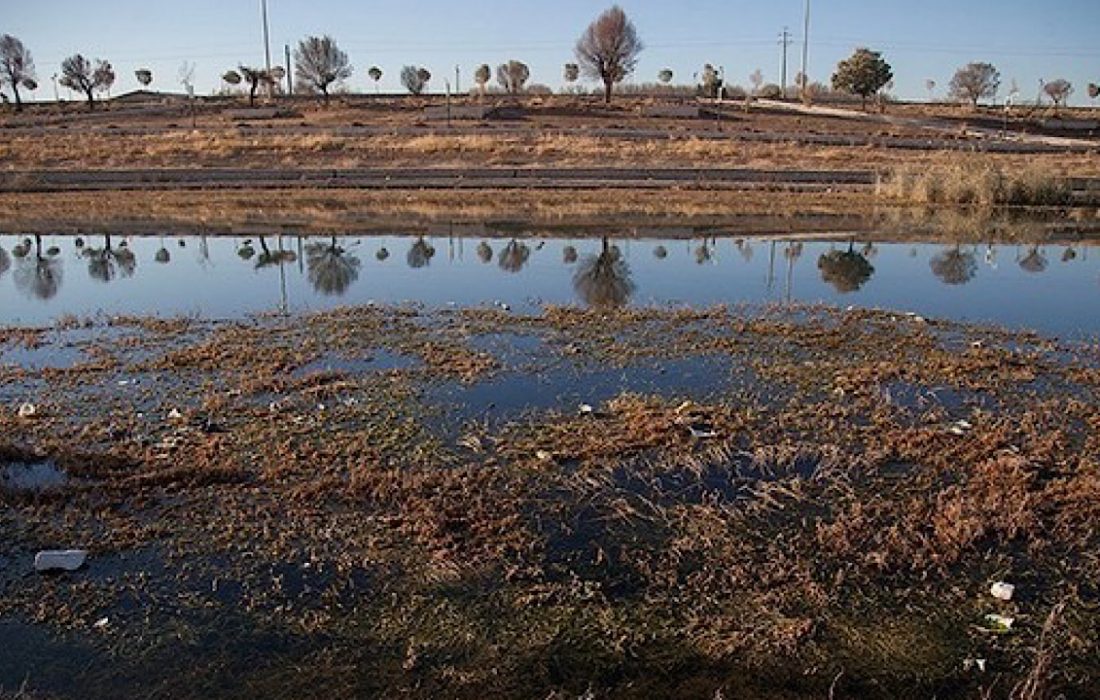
(976,183)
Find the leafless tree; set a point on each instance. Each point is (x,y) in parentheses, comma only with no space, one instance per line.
(512,76)
(608,50)
(16,67)
(756,80)
(78,73)
(414,79)
(975,81)
(319,62)
(144,76)
(481,76)
(1058,91)
(255,77)
(375,74)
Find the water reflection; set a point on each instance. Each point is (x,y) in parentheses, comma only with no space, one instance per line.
(1034,262)
(603,281)
(954,266)
(291,273)
(39,276)
(514,256)
(846,270)
(420,254)
(106,263)
(331,268)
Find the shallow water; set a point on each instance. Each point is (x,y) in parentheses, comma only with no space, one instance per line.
(1052,288)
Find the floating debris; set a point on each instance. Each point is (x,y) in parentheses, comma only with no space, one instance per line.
(27,410)
(60,560)
(998,623)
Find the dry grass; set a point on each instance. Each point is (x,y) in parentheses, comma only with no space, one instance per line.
(227,147)
(976,182)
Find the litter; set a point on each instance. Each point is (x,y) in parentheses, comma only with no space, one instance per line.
(1002,591)
(60,560)
(27,410)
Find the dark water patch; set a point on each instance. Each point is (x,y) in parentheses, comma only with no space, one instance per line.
(566,388)
(49,356)
(376,361)
(32,477)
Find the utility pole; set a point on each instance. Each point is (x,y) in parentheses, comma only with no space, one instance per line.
(785,41)
(805,49)
(458,89)
(289,79)
(267,43)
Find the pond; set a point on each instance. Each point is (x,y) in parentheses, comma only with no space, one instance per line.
(1053,288)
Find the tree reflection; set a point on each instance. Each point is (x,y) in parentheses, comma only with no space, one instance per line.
(846,270)
(514,256)
(660,252)
(702,254)
(569,255)
(420,254)
(272,258)
(5,262)
(331,269)
(603,281)
(954,266)
(1034,262)
(106,263)
(484,252)
(38,276)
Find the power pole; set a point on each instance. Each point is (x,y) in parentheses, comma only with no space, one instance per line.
(805,49)
(785,41)
(267,42)
(457,88)
(289,79)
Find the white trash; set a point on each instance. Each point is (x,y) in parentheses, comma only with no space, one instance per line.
(27,410)
(1002,591)
(60,560)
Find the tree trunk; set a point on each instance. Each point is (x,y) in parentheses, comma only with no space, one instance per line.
(607,85)
(324,91)
(91,99)
(252,95)
(18,99)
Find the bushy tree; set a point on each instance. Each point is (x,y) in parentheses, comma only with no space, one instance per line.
(319,63)
(415,79)
(571,72)
(665,76)
(78,73)
(255,77)
(482,76)
(16,67)
(710,81)
(144,76)
(864,73)
(512,76)
(975,81)
(608,50)
(1094,91)
(1058,91)
(375,74)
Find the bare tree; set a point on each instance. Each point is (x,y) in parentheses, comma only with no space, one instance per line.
(756,80)
(608,50)
(78,73)
(415,79)
(512,76)
(1058,91)
(481,76)
(375,74)
(144,76)
(929,85)
(16,67)
(255,77)
(975,81)
(319,62)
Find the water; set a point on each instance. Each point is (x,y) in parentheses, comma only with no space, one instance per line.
(31,477)
(1051,288)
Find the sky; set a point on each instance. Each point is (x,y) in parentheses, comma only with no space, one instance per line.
(1027,40)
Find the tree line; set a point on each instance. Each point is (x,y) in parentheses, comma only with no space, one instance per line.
(606,52)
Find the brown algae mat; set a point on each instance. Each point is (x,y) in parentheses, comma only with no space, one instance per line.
(286,506)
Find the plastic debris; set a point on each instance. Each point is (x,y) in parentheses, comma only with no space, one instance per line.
(60,560)
(702,432)
(174,414)
(27,410)
(960,427)
(586,409)
(101,623)
(971,664)
(999,623)
(1002,591)
(544,456)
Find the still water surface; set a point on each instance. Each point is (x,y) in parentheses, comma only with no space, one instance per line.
(1052,288)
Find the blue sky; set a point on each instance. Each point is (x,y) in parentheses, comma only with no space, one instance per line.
(1027,40)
